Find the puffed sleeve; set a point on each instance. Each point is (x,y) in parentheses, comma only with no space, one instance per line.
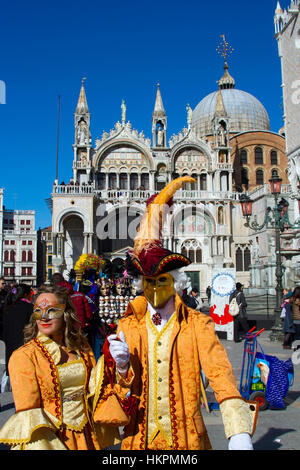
(23,381)
(31,427)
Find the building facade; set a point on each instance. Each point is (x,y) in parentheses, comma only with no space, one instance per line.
(19,246)
(45,267)
(98,210)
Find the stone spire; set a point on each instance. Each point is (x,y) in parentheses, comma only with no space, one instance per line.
(159,109)
(82,106)
(82,120)
(83,140)
(159,123)
(278,10)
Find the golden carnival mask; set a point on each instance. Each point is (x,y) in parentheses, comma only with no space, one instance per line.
(45,310)
(158,289)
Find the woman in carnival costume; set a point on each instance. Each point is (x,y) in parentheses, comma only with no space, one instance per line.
(165,347)
(57,386)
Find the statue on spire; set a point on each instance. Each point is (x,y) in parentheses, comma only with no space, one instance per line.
(189,115)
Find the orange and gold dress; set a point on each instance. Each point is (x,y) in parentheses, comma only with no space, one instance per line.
(54,401)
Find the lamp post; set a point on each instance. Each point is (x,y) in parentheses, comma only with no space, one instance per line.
(277,219)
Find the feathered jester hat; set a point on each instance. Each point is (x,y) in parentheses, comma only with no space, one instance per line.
(149,257)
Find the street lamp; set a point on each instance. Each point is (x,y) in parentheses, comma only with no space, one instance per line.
(278,219)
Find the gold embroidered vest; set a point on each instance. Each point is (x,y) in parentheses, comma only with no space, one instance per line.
(159,418)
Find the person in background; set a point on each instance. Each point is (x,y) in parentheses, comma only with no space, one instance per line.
(287,316)
(17,311)
(81,303)
(208,293)
(189,300)
(72,277)
(295,303)
(3,294)
(195,296)
(240,320)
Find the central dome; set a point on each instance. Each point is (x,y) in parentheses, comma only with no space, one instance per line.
(244,111)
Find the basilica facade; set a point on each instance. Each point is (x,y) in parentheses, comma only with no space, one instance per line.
(226,146)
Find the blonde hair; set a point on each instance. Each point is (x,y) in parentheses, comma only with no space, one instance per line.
(73,336)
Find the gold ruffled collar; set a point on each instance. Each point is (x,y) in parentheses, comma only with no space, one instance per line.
(52,347)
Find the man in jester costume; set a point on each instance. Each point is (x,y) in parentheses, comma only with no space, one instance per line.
(162,347)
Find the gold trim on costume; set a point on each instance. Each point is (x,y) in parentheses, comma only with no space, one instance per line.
(98,373)
(19,428)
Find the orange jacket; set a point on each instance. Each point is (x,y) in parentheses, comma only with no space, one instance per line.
(34,378)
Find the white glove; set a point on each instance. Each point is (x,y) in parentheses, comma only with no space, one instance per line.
(119,351)
(240,442)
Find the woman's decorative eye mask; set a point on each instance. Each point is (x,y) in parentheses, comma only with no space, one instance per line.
(44,310)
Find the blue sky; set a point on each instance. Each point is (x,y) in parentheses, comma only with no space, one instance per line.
(123,48)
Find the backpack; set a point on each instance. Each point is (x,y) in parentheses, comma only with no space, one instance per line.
(234,308)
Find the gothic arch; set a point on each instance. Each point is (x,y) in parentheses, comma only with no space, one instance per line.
(67,213)
(179,149)
(181,213)
(109,146)
(193,249)
(111,234)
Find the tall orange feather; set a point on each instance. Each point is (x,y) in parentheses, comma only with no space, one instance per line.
(149,232)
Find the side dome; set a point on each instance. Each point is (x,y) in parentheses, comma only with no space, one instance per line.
(244,111)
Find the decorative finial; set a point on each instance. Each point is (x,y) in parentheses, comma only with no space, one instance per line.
(224,49)
(82,80)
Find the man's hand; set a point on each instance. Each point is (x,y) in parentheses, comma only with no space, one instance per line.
(120,352)
(240,442)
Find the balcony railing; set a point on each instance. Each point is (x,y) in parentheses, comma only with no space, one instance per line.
(73,189)
(142,195)
(19,232)
(266,190)
(82,164)
(181,195)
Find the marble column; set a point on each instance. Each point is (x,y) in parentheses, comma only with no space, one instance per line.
(152,180)
(209,182)
(230,181)
(214,246)
(90,242)
(85,243)
(217,181)
(54,239)
(226,247)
